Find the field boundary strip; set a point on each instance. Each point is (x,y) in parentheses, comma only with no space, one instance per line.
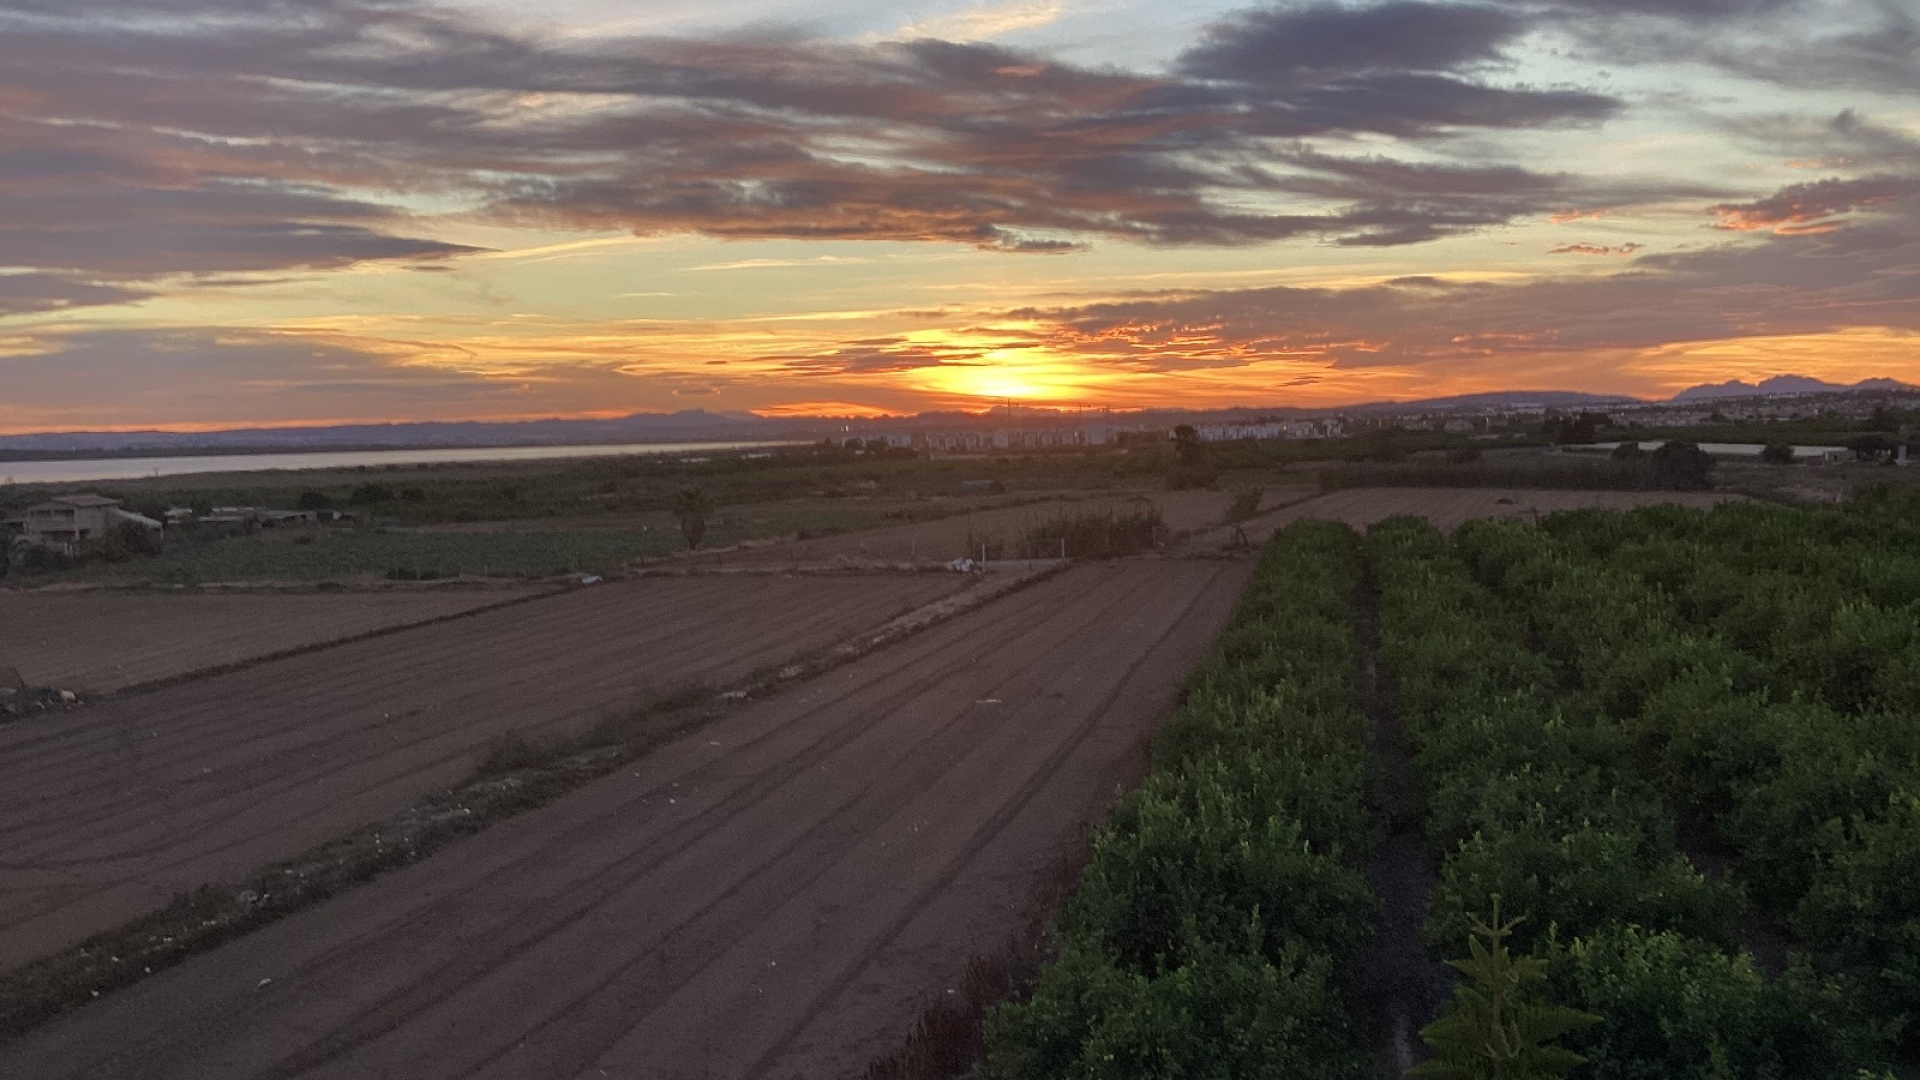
(524,778)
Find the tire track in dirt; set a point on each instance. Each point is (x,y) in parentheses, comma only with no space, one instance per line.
(126,640)
(501,635)
(644,910)
(688,649)
(683,659)
(78,852)
(981,839)
(563,912)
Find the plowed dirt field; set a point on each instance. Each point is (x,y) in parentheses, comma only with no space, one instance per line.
(106,813)
(769,897)
(101,641)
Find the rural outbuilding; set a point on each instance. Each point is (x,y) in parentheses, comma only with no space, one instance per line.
(66,521)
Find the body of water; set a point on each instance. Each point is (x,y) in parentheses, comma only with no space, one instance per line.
(81,471)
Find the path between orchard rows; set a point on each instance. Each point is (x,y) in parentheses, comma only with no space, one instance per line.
(770,896)
(1401,982)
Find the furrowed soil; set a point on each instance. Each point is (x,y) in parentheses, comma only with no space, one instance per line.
(108,812)
(99,641)
(771,896)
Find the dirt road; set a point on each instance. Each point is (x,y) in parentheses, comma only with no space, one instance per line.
(770,897)
(103,640)
(108,812)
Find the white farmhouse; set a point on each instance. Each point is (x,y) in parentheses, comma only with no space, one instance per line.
(67,521)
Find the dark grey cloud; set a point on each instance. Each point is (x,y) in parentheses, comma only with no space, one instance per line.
(871,356)
(1699,11)
(1817,206)
(1846,139)
(1871,45)
(216,136)
(221,375)
(1874,46)
(29,293)
(1297,47)
(181,374)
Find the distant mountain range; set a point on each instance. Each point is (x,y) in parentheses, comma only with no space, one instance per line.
(698,425)
(691,425)
(1783,385)
(1501,399)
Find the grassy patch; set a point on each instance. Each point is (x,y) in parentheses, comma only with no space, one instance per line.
(430,554)
(1097,534)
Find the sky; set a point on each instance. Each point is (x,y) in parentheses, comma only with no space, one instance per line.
(219,213)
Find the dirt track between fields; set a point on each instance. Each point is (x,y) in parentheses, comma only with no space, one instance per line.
(102,640)
(106,813)
(768,897)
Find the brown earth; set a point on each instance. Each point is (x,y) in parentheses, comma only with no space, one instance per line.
(961,534)
(772,896)
(1449,508)
(99,641)
(106,813)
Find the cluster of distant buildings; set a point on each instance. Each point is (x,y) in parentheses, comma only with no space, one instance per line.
(68,523)
(982,440)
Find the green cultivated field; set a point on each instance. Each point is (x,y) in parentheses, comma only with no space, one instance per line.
(1225,907)
(1684,745)
(331,554)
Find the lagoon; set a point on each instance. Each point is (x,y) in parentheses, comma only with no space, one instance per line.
(132,468)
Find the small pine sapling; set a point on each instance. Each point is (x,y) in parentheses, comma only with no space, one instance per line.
(1494,1030)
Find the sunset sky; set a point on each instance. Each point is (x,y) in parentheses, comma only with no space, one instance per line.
(236,212)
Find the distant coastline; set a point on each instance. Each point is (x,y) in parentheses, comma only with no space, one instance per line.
(80,467)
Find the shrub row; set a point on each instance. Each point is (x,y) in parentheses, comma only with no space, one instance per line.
(1217,929)
(1523,720)
(1764,760)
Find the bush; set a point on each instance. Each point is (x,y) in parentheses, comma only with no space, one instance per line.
(1190,859)
(1777,454)
(1222,1013)
(1099,535)
(1681,466)
(35,559)
(314,500)
(371,495)
(1677,1008)
(1218,927)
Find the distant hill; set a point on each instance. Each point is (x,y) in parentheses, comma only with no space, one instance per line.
(1783,385)
(685,426)
(699,425)
(1501,399)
